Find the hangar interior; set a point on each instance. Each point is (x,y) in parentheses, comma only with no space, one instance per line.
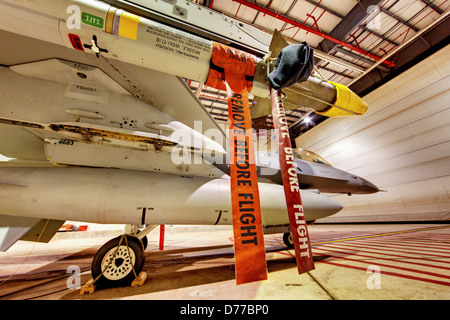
(402,145)
(392,53)
(402,142)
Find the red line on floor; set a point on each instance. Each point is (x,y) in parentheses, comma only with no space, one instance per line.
(399,244)
(340,256)
(423,231)
(385,250)
(420,243)
(422,239)
(340,236)
(437,237)
(381,258)
(389,273)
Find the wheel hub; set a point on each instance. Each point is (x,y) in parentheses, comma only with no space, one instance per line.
(116,266)
(118,262)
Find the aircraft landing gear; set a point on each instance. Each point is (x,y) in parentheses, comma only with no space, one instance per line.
(288,240)
(118,262)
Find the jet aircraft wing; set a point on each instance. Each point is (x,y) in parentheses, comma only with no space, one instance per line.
(56,97)
(14,228)
(169,94)
(96,103)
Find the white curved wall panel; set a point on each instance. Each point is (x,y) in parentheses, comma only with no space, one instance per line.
(402,144)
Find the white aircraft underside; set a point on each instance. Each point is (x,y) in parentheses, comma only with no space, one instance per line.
(103,137)
(64,112)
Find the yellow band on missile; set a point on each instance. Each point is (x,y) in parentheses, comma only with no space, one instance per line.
(128,25)
(347,103)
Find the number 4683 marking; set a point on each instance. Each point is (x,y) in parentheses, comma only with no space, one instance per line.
(66,142)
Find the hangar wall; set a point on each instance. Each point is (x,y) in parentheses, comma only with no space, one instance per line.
(401,144)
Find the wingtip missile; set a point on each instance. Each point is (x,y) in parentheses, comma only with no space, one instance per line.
(347,103)
(153,45)
(326,98)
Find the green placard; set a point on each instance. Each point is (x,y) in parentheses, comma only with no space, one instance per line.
(92,20)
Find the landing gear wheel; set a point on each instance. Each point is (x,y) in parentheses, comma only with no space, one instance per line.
(145,242)
(117,262)
(288,240)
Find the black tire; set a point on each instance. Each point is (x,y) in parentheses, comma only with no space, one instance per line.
(288,240)
(145,242)
(120,270)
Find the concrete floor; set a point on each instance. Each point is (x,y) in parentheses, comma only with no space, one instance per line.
(352,262)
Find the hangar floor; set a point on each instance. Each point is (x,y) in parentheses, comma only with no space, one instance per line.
(371,261)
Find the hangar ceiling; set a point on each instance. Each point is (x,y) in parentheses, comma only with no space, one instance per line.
(358,43)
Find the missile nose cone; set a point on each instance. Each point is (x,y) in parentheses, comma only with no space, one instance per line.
(334,206)
(319,206)
(347,103)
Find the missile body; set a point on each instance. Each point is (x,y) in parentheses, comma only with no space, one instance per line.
(134,197)
(99,28)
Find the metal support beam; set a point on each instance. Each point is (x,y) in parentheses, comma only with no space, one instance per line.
(321,6)
(296,23)
(424,30)
(433,6)
(396,17)
(355,56)
(408,54)
(351,20)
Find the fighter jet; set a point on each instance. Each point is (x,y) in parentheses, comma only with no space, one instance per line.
(100,125)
